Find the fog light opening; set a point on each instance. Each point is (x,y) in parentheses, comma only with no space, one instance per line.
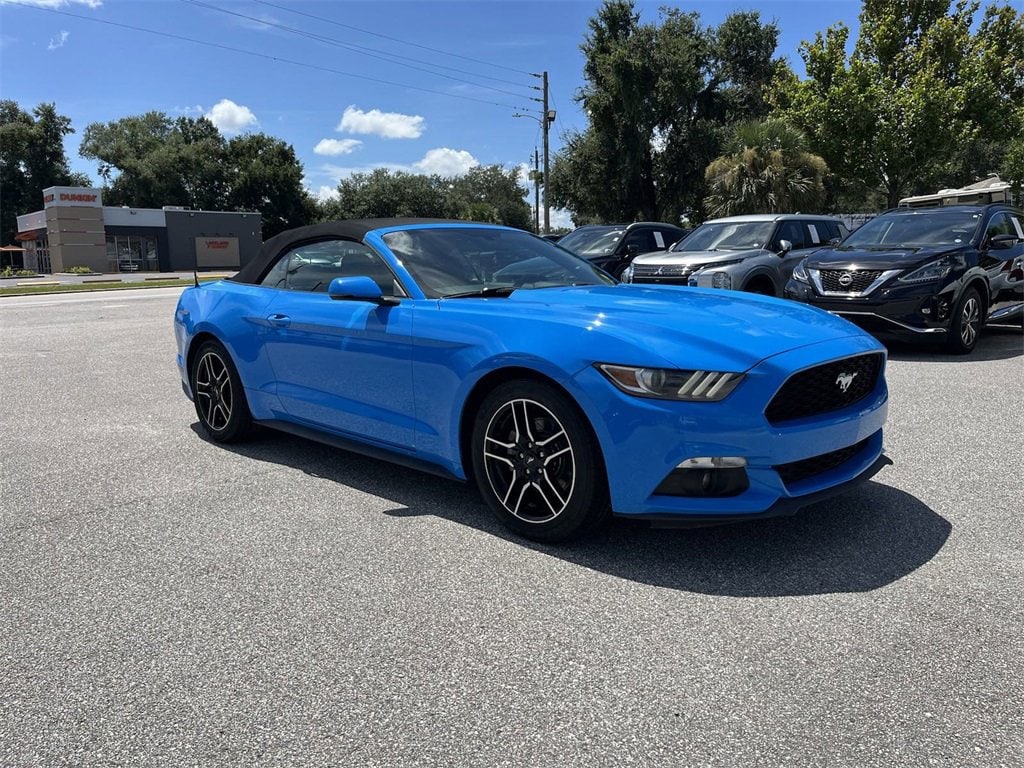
(706,476)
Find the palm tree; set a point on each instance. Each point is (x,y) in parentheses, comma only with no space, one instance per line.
(767,169)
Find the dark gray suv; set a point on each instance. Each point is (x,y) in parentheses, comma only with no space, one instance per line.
(755,253)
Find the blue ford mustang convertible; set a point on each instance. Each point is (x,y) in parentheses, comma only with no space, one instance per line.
(486,353)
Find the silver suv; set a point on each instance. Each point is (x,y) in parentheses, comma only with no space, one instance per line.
(754,253)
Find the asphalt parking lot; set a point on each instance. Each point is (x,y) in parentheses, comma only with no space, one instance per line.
(165,601)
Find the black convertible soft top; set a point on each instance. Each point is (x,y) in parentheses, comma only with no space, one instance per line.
(350,229)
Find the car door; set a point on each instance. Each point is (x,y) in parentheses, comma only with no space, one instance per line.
(1003,264)
(340,364)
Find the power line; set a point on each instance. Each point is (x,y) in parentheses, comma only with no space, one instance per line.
(371,52)
(392,39)
(263,55)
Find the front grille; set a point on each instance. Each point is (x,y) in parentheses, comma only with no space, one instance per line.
(820,389)
(664,270)
(795,471)
(860,279)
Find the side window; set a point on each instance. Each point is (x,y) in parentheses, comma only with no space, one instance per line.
(1000,224)
(792,231)
(642,239)
(312,266)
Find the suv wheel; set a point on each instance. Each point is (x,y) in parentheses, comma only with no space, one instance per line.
(966,322)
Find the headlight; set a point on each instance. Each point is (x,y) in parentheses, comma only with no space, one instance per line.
(935,270)
(667,384)
(721,280)
(800,272)
(627,274)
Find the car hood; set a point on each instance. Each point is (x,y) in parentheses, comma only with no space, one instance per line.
(654,325)
(880,258)
(695,257)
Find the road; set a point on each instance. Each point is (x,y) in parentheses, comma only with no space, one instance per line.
(165,601)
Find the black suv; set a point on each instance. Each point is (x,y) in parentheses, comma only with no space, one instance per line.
(613,246)
(922,273)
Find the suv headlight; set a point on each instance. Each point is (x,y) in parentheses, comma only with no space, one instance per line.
(800,272)
(721,280)
(669,384)
(933,270)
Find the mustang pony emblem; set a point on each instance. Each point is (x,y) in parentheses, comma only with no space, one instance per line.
(844,380)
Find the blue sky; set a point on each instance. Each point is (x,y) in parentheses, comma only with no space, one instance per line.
(338,93)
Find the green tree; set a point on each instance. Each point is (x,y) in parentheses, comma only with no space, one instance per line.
(900,111)
(152,160)
(32,158)
(658,98)
(767,170)
(267,177)
(486,193)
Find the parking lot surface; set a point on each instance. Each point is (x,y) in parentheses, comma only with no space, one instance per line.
(165,601)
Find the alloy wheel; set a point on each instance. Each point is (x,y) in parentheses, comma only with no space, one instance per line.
(213,391)
(529,461)
(969,321)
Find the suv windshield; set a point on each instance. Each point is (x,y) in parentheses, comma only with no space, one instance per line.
(449,261)
(596,241)
(935,226)
(727,236)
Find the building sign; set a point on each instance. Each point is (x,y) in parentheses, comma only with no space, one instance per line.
(217,252)
(67,196)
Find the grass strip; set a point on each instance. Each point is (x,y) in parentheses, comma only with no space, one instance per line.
(35,290)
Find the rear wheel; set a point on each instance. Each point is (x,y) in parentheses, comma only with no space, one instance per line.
(965,325)
(761,286)
(537,463)
(218,395)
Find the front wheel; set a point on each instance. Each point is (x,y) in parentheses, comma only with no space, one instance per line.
(537,463)
(965,325)
(218,395)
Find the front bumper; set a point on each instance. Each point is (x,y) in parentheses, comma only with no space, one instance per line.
(644,440)
(909,313)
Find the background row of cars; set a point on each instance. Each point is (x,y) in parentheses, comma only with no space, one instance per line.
(918,274)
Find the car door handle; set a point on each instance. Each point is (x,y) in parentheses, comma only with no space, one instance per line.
(279,321)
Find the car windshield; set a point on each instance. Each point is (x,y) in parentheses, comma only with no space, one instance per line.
(934,226)
(592,241)
(727,236)
(471,261)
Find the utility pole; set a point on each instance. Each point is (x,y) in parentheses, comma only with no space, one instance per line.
(546,119)
(536,191)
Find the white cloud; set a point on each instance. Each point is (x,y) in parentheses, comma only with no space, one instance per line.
(335,147)
(447,162)
(387,125)
(57,3)
(58,42)
(231,118)
(559,217)
(325,193)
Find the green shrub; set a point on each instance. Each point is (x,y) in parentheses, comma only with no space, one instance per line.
(11,272)
(80,270)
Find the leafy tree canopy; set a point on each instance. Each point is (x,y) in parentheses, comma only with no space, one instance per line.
(152,160)
(486,193)
(659,98)
(32,158)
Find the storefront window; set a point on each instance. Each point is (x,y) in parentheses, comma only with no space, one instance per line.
(132,253)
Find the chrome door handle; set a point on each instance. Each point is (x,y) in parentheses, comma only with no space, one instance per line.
(279,321)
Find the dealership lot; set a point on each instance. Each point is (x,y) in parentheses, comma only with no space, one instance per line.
(168,601)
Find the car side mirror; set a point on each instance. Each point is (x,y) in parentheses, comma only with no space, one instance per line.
(1000,242)
(632,250)
(358,289)
(835,241)
(785,246)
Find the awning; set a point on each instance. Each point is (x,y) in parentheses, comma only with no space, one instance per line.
(11,249)
(31,234)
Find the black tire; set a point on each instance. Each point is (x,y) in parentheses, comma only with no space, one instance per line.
(965,323)
(537,463)
(218,394)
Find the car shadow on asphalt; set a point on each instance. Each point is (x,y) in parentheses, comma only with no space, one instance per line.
(997,342)
(864,540)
